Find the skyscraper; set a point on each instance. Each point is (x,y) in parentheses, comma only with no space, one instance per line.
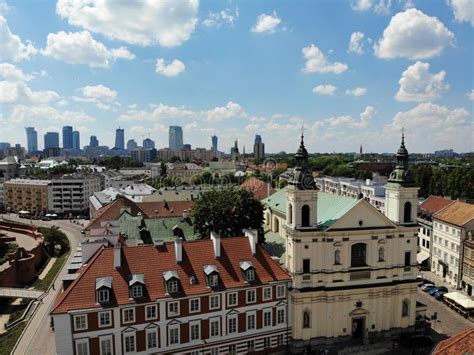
(119,138)
(258,148)
(131,145)
(148,143)
(175,137)
(94,142)
(67,137)
(51,140)
(214,144)
(76,140)
(31,139)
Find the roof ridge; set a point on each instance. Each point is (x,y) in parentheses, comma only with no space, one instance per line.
(452,340)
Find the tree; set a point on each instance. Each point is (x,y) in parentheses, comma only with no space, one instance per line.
(54,239)
(227,212)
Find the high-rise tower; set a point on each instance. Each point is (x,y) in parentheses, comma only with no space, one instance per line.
(119,138)
(31,139)
(175,137)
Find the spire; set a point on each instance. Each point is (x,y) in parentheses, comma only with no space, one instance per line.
(301,176)
(401,174)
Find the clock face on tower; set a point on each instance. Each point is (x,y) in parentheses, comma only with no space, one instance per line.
(307,182)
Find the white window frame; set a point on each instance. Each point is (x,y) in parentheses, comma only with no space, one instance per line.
(266,290)
(229,299)
(152,330)
(281,291)
(213,280)
(248,315)
(278,316)
(129,335)
(214,297)
(76,328)
(170,328)
(214,321)
(236,319)
(191,324)
(175,287)
(99,319)
(151,306)
(124,310)
(250,274)
(191,310)
(250,292)
(171,312)
(137,291)
(79,342)
(100,295)
(270,312)
(108,338)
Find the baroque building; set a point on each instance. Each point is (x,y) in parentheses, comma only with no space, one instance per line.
(353,268)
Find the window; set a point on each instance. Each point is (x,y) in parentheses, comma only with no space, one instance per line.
(280,339)
(428,244)
(213,280)
(129,343)
(267,293)
(82,347)
(280,291)
(408,258)
(358,255)
(137,291)
(103,295)
(128,315)
(423,242)
(382,253)
(306,319)
(80,322)
(251,345)
(232,299)
(337,257)
(232,324)
(105,345)
(105,319)
(195,330)
(405,308)
(174,335)
(172,286)
(232,349)
(250,274)
(151,338)
(446,243)
(194,305)
(214,302)
(267,318)
(151,312)
(214,325)
(305,213)
(281,315)
(451,259)
(173,308)
(407,212)
(446,228)
(251,296)
(290,213)
(306,266)
(250,321)
(267,342)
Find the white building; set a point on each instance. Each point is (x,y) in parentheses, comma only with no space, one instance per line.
(71,193)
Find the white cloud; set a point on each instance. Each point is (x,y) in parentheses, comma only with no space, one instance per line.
(380,7)
(362,5)
(316,62)
(463,10)
(470,95)
(266,23)
(81,48)
(324,89)
(355,44)
(231,110)
(172,69)
(99,92)
(418,84)
(365,117)
(12,73)
(358,91)
(11,46)
(412,34)
(23,113)
(217,19)
(166,22)
(159,112)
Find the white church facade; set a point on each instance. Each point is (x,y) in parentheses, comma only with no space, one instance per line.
(353,268)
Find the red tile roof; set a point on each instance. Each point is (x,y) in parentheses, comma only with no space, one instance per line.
(457,213)
(112,211)
(259,188)
(459,344)
(154,261)
(168,209)
(435,203)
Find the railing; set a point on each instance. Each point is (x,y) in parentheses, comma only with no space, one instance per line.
(359,275)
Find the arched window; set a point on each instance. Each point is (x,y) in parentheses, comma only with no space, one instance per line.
(358,255)
(305,212)
(405,308)
(407,212)
(306,318)
(290,213)
(276,225)
(337,257)
(381,254)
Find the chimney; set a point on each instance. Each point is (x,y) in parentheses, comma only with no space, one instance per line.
(252,235)
(178,248)
(185,214)
(117,256)
(216,243)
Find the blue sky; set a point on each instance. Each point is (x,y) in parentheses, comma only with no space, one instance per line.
(352,72)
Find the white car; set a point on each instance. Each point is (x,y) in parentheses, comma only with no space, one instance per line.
(425,286)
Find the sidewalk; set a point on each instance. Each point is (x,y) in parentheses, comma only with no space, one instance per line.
(437,280)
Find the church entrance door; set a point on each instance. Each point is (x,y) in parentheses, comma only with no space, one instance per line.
(358,327)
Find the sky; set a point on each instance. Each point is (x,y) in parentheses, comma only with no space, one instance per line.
(347,72)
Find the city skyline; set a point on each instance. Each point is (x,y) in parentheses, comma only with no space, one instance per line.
(301,72)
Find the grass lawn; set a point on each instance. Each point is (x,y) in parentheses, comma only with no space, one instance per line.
(9,339)
(43,285)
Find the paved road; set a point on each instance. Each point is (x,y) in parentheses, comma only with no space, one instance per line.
(38,337)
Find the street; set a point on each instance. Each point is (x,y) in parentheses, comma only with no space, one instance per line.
(38,337)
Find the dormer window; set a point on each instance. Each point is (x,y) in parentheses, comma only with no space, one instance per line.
(213,280)
(250,274)
(248,270)
(103,295)
(212,275)
(171,281)
(136,284)
(103,287)
(137,291)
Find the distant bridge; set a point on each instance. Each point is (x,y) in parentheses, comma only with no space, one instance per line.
(20,293)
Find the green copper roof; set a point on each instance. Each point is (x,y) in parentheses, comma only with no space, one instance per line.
(330,207)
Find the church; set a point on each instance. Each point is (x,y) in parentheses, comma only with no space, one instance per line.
(353,268)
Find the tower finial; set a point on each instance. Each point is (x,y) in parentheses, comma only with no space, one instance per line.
(302,134)
(403,135)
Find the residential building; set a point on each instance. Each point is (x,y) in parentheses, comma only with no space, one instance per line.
(16,151)
(76,140)
(51,140)
(26,194)
(119,139)
(467,280)
(200,154)
(258,148)
(131,145)
(94,142)
(210,296)
(31,139)
(450,228)
(3,147)
(175,137)
(9,167)
(183,172)
(144,154)
(426,210)
(148,143)
(70,193)
(67,137)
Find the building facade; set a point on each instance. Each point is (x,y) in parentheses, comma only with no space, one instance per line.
(120,138)
(94,142)
(148,143)
(76,140)
(258,148)
(67,137)
(26,194)
(175,137)
(467,281)
(31,140)
(51,140)
(71,193)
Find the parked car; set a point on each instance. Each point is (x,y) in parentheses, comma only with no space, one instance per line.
(416,340)
(436,289)
(423,282)
(426,287)
(440,295)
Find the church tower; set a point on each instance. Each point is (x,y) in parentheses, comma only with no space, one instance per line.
(401,192)
(301,195)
